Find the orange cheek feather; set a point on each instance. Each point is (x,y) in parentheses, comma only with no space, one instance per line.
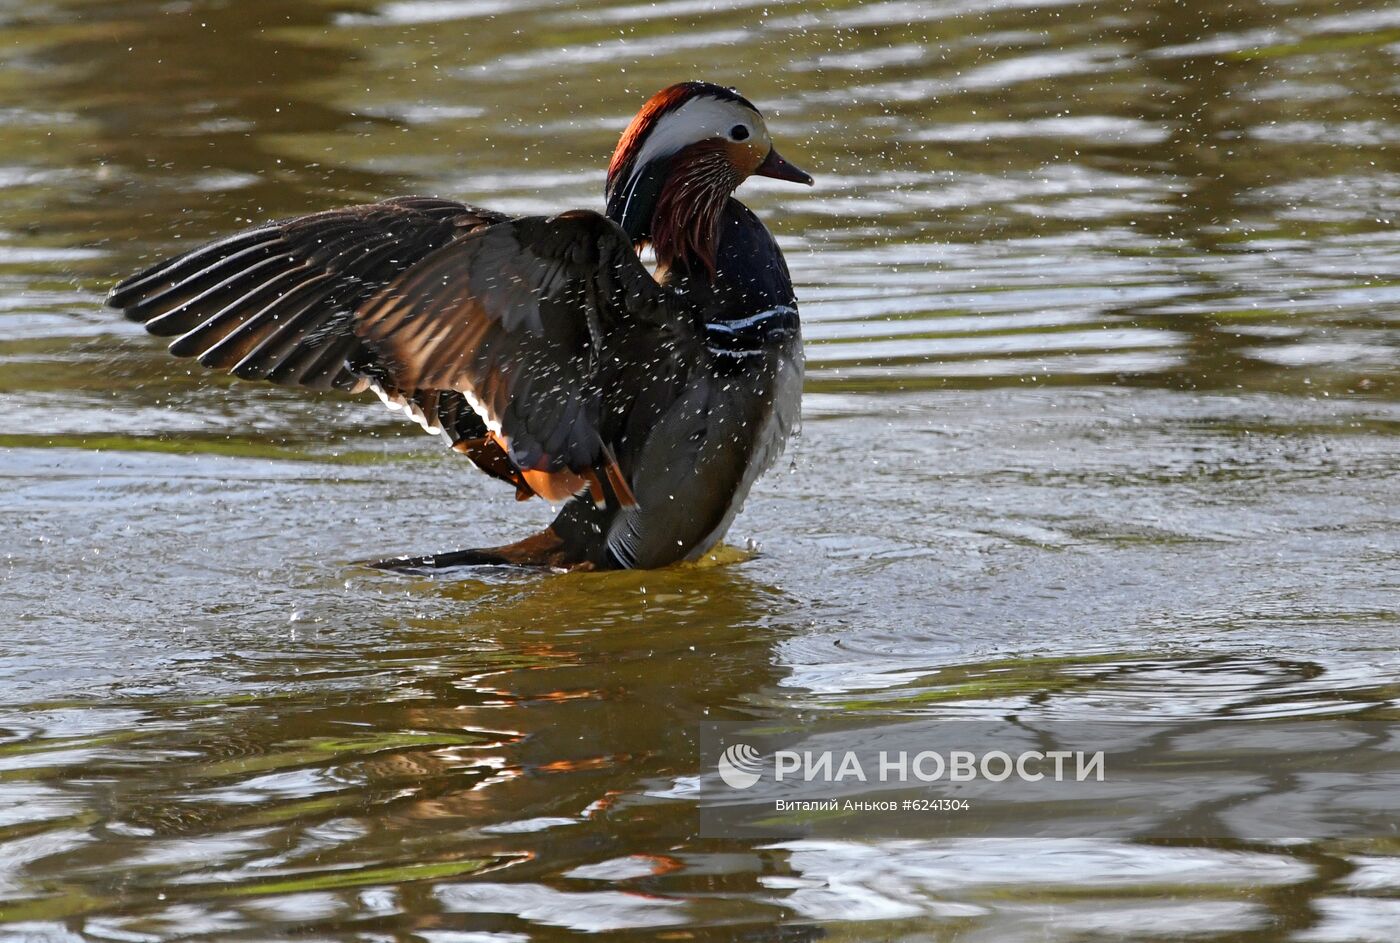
(745,156)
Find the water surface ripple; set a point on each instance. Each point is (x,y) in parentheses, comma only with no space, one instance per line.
(1100,306)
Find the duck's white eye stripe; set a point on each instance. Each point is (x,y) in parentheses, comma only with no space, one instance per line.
(696,120)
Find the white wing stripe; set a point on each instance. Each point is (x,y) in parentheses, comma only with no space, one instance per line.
(737,325)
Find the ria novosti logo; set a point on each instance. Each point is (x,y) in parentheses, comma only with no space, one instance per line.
(740,766)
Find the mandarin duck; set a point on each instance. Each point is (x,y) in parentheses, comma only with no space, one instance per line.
(542,349)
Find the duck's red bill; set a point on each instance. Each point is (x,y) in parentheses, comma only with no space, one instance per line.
(779,169)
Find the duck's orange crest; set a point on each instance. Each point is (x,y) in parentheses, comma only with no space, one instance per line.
(630,144)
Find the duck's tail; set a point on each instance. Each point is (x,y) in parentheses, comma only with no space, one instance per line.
(545,549)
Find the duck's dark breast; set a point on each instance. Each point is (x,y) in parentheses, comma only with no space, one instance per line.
(704,455)
(695,430)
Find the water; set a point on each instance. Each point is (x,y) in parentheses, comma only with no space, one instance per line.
(1101,423)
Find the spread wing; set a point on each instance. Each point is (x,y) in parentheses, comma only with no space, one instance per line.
(466,319)
(265,304)
(524,319)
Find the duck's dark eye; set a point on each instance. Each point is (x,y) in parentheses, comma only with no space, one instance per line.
(739,132)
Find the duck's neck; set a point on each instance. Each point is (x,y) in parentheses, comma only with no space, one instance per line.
(677,207)
(685,223)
